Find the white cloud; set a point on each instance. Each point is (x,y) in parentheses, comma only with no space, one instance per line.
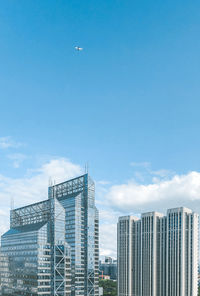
(33,188)
(135,198)
(4,219)
(108,240)
(143,173)
(108,232)
(180,190)
(8,142)
(60,169)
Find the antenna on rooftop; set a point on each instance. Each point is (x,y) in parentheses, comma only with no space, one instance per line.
(12,203)
(87,167)
(50,182)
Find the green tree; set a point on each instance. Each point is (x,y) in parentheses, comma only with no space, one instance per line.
(109,287)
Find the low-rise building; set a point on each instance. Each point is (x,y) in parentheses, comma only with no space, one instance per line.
(108,268)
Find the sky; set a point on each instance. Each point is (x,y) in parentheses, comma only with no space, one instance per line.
(128,104)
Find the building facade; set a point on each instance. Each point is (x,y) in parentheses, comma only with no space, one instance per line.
(182,252)
(149,253)
(77,196)
(124,255)
(108,268)
(35,257)
(52,247)
(158,255)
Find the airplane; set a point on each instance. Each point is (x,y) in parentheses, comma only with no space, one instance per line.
(78,48)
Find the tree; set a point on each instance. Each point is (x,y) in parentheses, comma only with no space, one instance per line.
(109,287)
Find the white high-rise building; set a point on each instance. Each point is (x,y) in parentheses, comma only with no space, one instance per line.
(158,255)
(182,252)
(149,254)
(125,255)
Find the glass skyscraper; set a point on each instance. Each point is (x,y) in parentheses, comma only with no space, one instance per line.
(35,257)
(52,247)
(77,196)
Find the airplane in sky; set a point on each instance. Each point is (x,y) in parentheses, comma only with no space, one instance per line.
(78,48)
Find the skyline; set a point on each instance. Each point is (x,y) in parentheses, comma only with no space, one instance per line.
(118,199)
(128,104)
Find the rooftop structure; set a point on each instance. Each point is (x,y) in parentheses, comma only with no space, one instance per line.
(36,252)
(77,196)
(52,247)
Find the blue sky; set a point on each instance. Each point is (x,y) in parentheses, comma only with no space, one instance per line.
(128,103)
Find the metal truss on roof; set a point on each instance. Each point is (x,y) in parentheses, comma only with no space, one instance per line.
(44,212)
(35,213)
(84,185)
(72,186)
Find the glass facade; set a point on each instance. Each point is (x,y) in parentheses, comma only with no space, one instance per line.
(52,247)
(77,196)
(35,257)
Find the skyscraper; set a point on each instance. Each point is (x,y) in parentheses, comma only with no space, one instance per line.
(35,257)
(125,255)
(182,252)
(158,255)
(77,196)
(52,247)
(149,253)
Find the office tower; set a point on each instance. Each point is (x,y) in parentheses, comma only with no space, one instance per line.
(77,196)
(136,257)
(124,255)
(52,247)
(182,252)
(161,255)
(158,255)
(149,253)
(4,270)
(35,257)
